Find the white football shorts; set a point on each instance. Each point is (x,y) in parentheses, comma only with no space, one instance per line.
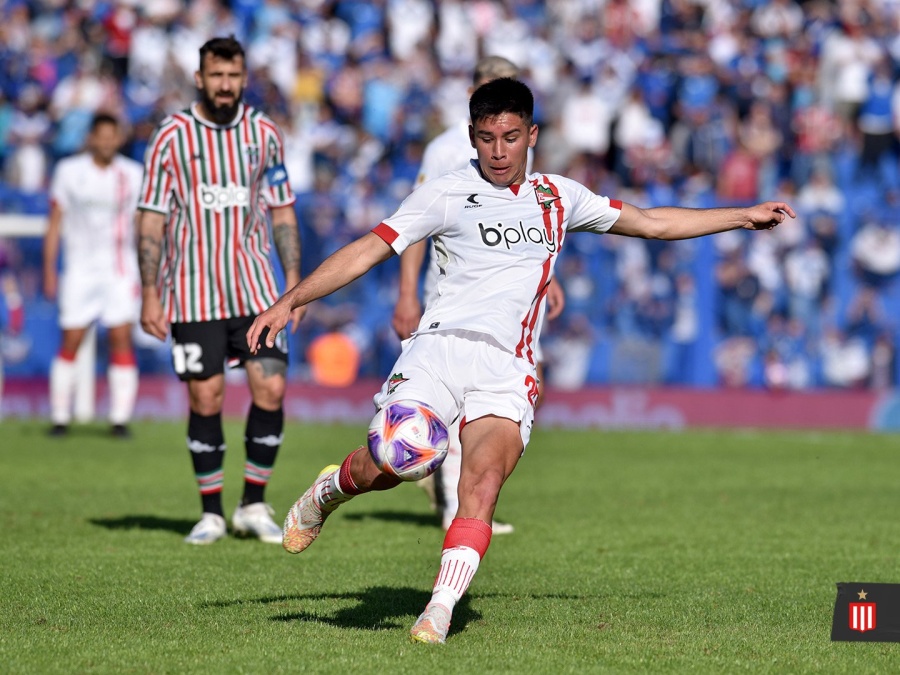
(112,300)
(463,374)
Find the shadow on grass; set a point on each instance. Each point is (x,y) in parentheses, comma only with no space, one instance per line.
(417,519)
(376,608)
(80,431)
(179,525)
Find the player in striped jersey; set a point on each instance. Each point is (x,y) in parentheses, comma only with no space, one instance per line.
(214,173)
(498,231)
(93,196)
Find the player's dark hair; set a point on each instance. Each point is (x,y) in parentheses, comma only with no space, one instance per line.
(504,95)
(226,48)
(103,118)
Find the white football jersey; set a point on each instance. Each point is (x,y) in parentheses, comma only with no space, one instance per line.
(98,206)
(496,248)
(450,150)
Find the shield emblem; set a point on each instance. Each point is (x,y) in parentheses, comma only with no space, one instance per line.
(862,616)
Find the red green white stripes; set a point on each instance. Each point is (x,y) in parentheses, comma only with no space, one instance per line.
(257,473)
(211,183)
(210,483)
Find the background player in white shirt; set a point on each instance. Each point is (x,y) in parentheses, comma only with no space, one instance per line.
(93,199)
(449,151)
(498,232)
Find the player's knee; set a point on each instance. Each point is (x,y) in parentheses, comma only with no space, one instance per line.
(206,405)
(267,382)
(206,400)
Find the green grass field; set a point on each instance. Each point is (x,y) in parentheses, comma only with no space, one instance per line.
(635,552)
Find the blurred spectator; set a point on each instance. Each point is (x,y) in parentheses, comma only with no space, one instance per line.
(807,271)
(734,361)
(878,158)
(845,360)
(29,131)
(586,119)
(568,354)
(820,194)
(76,99)
(875,249)
(847,59)
(777,19)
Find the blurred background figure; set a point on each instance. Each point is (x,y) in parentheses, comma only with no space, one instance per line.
(94,195)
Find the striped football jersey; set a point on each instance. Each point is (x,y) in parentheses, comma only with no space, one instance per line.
(216,184)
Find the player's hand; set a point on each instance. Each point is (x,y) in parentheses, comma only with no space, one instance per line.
(556,299)
(296,317)
(274,320)
(153,319)
(51,286)
(767,215)
(407,313)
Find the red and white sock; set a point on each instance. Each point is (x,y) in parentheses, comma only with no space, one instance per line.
(339,488)
(465,544)
(123,387)
(63,378)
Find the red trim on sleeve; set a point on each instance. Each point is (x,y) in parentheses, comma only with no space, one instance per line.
(386,232)
(616,203)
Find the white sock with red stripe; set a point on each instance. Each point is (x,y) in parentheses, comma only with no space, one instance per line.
(123,387)
(63,377)
(465,544)
(339,487)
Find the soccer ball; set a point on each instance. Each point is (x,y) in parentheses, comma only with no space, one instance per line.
(408,440)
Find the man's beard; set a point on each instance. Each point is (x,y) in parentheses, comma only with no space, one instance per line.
(220,114)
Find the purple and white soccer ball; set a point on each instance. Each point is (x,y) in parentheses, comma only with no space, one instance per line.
(408,439)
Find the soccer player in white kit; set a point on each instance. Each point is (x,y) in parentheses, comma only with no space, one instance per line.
(93,197)
(449,151)
(498,232)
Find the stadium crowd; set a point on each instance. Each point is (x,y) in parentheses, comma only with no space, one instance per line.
(691,102)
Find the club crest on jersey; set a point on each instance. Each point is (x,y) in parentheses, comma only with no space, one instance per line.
(395,381)
(252,152)
(545,196)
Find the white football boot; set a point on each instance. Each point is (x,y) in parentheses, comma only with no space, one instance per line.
(209,529)
(432,625)
(255,520)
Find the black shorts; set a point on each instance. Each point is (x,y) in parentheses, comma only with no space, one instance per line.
(199,349)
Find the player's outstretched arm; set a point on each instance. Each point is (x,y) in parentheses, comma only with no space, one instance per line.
(671,222)
(151,229)
(286,235)
(408,310)
(338,270)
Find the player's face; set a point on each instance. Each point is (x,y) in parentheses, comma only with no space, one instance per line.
(104,142)
(221,84)
(502,144)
